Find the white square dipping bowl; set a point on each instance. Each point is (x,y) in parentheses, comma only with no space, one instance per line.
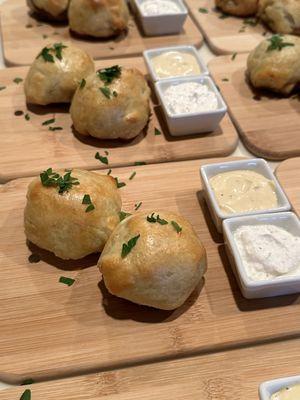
(267,389)
(255,288)
(163,24)
(258,165)
(149,54)
(191,123)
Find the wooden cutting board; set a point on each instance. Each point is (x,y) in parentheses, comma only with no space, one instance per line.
(225,35)
(27,146)
(24,36)
(267,124)
(288,173)
(48,329)
(228,375)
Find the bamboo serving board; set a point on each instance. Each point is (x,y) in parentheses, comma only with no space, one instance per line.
(267,124)
(225,35)
(288,173)
(228,375)
(48,329)
(27,146)
(23,37)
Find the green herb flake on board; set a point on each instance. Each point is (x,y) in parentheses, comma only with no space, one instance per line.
(203,10)
(26,395)
(157,132)
(18,80)
(34,258)
(102,159)
(109,172)
(2,88)
(127,247)
(119,184)
(18,113)
(48,122)
(233,56)
(67,281)
(132,175)
(55,128)
(140,163)
(177,227)
(27,117)
(152,219)
(138,205)
(28,381)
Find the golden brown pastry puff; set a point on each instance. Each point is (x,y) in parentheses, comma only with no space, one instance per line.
(282,16)
(55,74)
(71,214)
(240,8)
(98,18)
(111,104)
(51,9)
(275,64)
(153,259)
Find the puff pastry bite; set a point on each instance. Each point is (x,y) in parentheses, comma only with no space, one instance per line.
(282,16)
(51,9)
(111,104)
(275,64)
(240,8)
(71,215)
(98,18)
(153,259)
(55,74)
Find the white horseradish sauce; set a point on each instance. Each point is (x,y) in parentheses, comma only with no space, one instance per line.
(189,97)
(159,7)
(268,251)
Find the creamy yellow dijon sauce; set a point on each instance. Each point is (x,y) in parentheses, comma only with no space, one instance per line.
(175,63)
(243,190)
(287,393)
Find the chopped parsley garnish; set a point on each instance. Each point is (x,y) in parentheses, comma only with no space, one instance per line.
(106,91)
(138,205)
(82,83)
(139,163)
(48,121)
(66,280)
(225,80)
(18,80)
(152,219)
(115,94)
(177,227)
(127,247)
(27,117)
(26,395)
(45,53)
(132,175)
(123,215)
(62,183)
(55,128)
(157,132)
(233,56)
(119,184)
(18,113)
(203,10)
(109,172)
(56,49)
(2,87)
(106,152)
(277,43)
(107,75)
(102,159)
(87,201)
(34,258)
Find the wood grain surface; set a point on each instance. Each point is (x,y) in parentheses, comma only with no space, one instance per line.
(48,329)
(267,124)
(231,375)
(288,174)
(23,37)
(27,146)
(225,35)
